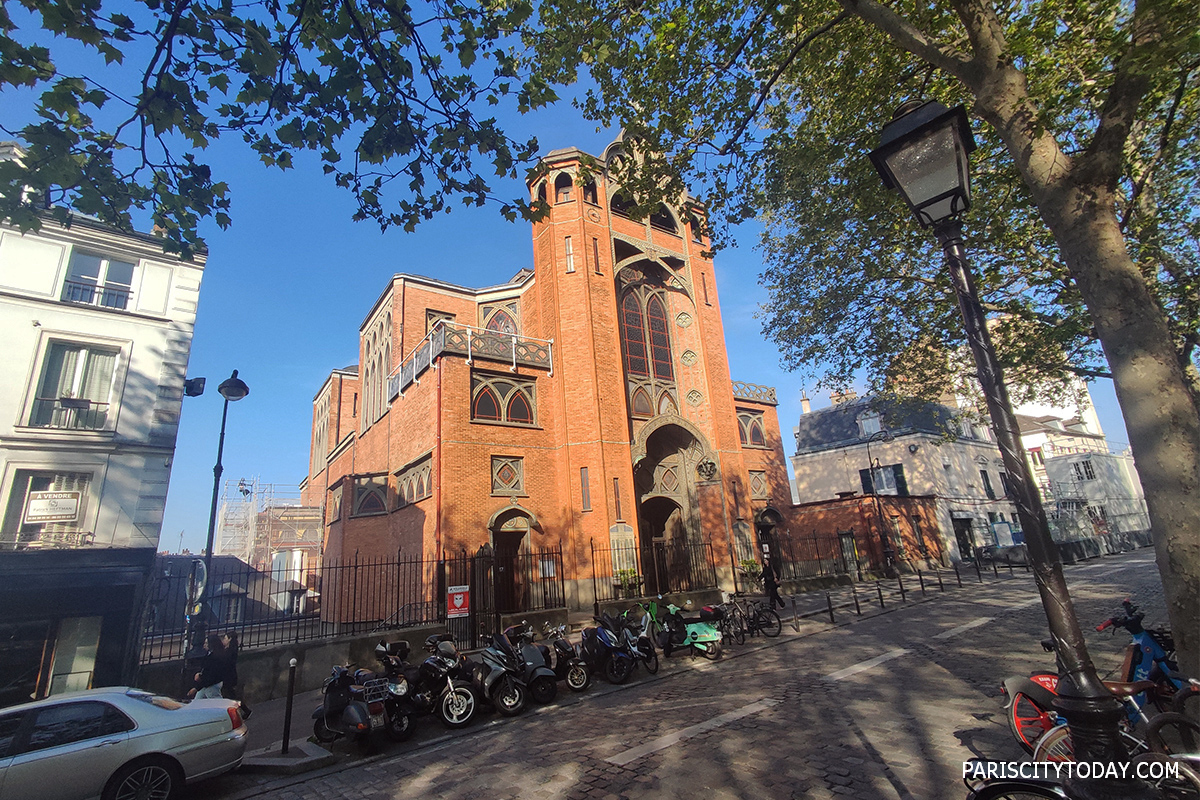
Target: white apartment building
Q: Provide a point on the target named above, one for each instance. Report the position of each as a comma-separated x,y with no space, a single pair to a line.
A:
97,329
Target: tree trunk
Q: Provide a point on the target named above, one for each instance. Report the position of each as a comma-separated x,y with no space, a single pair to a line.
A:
1160,415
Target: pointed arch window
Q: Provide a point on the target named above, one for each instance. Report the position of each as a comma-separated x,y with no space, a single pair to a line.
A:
664,220
634,334
508,400
486,406
621,204
660,342
667,405
519,410
750,429
642,407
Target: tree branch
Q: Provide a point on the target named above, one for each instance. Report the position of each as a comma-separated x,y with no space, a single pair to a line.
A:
906,35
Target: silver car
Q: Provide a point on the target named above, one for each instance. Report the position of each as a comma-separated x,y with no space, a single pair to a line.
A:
116,744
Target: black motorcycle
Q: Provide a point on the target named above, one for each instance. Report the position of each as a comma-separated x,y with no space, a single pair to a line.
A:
441,683
541,680
499,677
352,705
563,658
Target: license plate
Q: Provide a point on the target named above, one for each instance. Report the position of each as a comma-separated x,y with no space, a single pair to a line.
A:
377,721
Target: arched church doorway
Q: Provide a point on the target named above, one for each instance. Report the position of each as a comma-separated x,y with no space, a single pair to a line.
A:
510,533
767,525
662,539
668,511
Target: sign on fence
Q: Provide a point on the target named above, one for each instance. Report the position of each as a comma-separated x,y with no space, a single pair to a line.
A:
458,601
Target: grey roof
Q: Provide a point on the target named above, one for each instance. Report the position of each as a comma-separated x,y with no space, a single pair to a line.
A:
837,426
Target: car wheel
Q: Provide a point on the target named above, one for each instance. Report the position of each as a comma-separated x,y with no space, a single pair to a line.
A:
151,778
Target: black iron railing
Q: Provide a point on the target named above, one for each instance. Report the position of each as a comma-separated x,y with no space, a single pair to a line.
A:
94,295
655,568
69,412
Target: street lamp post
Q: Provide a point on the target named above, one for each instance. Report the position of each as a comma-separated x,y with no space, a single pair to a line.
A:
233,389
889,555
923,154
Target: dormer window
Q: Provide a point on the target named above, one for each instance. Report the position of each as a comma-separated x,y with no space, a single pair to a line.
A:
869,423
98,281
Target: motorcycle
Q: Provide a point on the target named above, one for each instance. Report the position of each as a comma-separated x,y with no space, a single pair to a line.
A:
351,705
499,676
603,649
541,680
441,683
566,663
699,634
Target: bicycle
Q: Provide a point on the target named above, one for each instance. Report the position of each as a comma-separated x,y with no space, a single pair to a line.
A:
732,625
757,615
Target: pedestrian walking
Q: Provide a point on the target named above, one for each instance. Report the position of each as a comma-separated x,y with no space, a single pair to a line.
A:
770,578
214,667
232,688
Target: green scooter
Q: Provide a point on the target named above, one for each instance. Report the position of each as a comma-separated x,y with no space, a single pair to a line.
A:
698,634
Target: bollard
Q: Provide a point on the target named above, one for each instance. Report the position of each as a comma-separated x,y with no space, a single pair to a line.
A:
879,589
287,712
900,581
829,604
854,591
795,616
941,586
957,574
921,580
978,574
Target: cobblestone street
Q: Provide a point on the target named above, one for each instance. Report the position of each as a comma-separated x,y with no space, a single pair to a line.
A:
882,706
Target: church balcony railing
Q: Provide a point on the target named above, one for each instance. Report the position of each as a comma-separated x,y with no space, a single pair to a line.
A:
448,338
754,393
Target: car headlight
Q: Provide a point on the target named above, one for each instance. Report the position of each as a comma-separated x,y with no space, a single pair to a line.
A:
400,688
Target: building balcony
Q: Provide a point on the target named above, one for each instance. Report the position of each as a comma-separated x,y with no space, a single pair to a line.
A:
448,338
754,393
69,413
91,294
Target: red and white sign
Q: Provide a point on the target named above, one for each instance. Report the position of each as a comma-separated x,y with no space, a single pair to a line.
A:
458,601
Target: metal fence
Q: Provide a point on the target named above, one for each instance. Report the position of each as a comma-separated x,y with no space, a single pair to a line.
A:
812,556
349,597
657,568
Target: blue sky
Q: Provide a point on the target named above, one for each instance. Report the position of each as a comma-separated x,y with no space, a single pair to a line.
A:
287,287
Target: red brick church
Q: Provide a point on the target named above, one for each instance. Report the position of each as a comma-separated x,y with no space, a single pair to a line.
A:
586,404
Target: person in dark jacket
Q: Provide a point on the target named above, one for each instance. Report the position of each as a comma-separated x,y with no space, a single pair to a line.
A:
770,578
214,669
232,690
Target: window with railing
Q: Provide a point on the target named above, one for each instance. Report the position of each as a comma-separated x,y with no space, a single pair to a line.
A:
75,387
47,510
95,280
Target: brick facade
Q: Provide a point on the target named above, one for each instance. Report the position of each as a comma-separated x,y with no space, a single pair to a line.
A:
598,458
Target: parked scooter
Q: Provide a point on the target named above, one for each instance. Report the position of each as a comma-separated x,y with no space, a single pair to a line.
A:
441,683
635,630
566,662
499,677
352,705
699,634
541,680
604,650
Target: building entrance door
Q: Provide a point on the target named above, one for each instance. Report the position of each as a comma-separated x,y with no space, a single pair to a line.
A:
849,552
965,538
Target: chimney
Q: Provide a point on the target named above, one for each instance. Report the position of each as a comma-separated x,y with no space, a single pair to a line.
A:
805,406
837,398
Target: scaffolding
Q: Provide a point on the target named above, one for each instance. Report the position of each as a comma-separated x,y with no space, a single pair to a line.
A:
266,526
